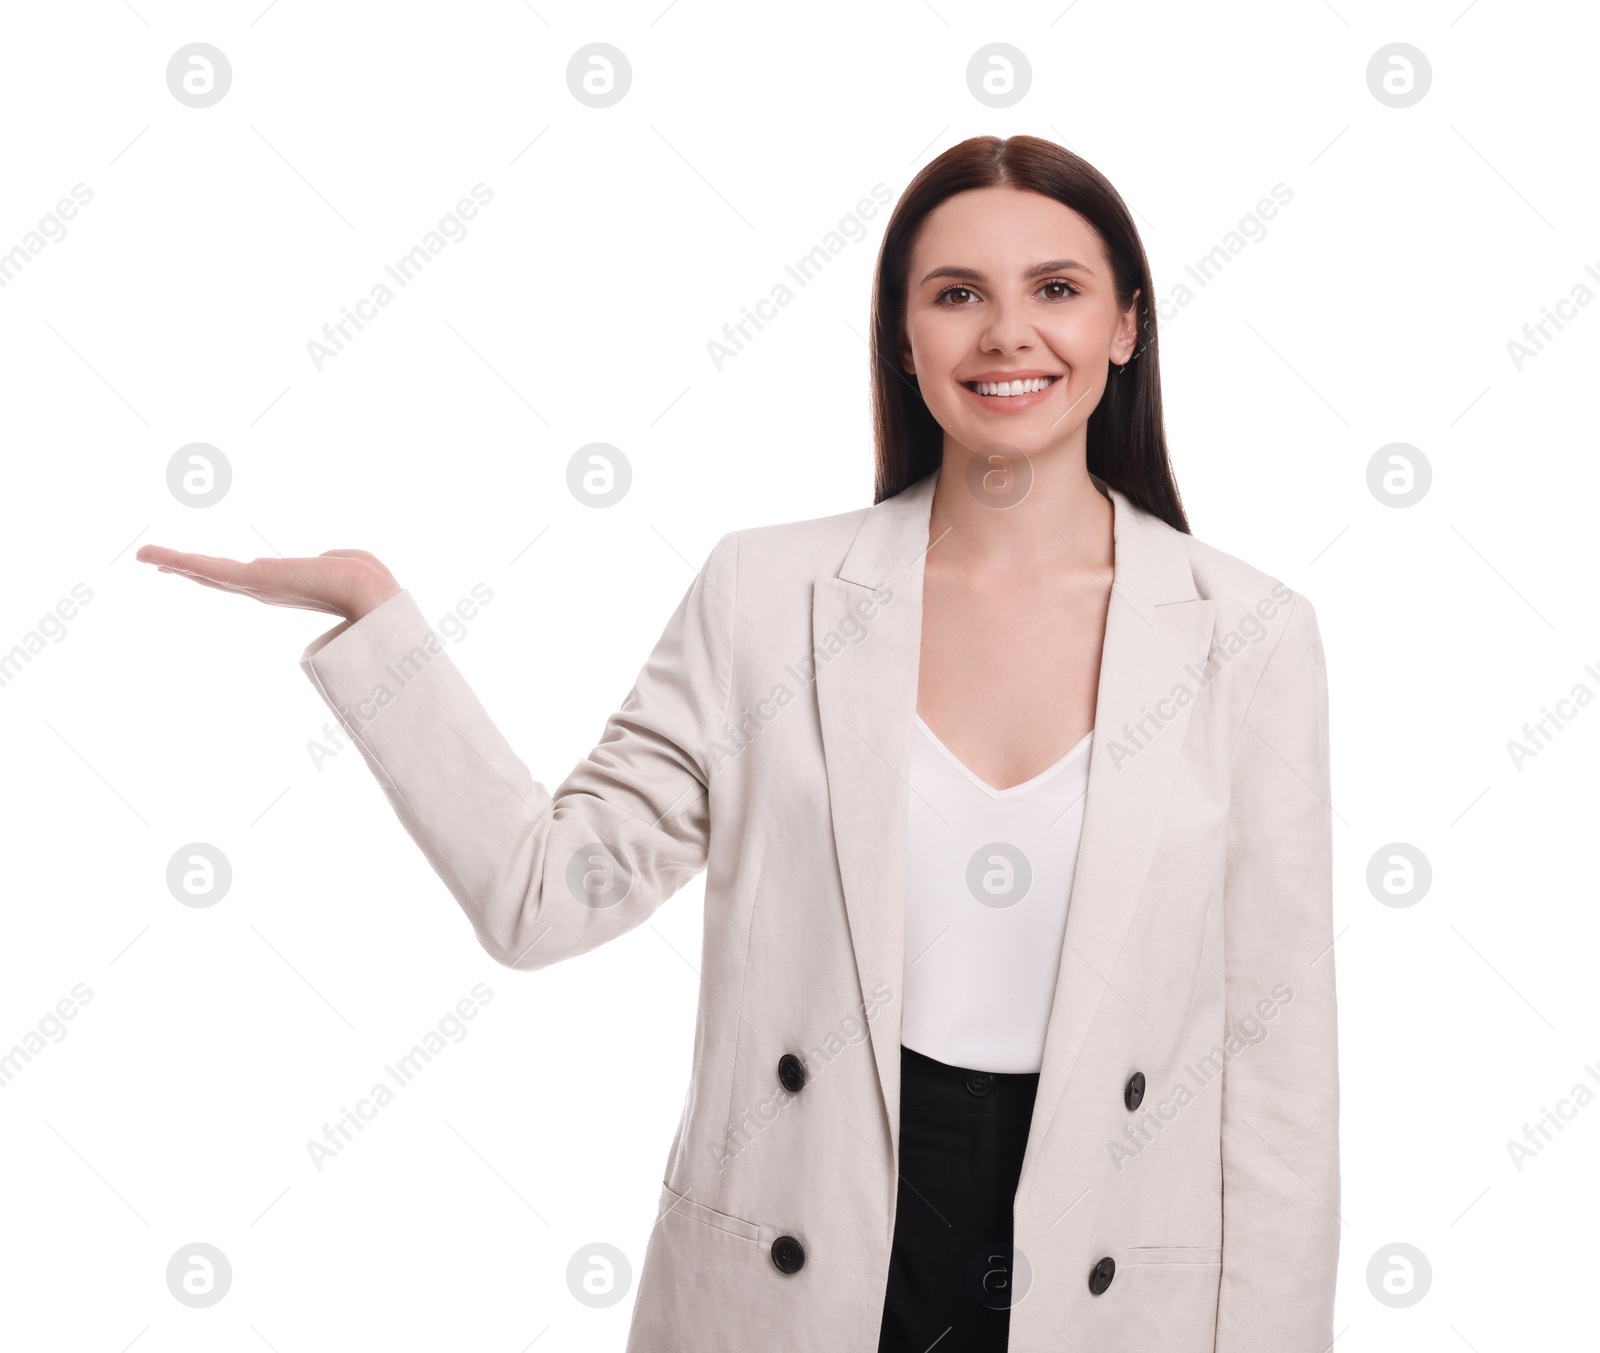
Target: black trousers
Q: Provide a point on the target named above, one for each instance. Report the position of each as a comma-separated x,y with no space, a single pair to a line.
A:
951,1276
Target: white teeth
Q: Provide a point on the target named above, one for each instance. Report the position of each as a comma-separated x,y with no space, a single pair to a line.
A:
1007,388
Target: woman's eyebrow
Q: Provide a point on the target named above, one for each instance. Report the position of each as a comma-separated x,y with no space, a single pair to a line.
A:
1038,270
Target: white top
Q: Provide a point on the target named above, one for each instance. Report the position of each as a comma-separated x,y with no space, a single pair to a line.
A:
988,878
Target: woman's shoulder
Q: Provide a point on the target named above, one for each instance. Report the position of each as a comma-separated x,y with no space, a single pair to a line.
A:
1256,612
1220,575
1266,653
797,551
1165,564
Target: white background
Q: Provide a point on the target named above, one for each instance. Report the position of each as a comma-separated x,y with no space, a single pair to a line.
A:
178,307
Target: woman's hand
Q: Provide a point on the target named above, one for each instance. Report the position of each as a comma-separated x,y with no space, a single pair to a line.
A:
342,582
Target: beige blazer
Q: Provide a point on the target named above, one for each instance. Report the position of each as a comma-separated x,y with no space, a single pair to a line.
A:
766,741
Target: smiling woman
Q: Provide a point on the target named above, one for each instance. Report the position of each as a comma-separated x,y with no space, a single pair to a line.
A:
1092,297
958,936
1015,296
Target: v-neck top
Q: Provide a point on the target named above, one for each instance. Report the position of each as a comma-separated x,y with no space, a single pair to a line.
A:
988,880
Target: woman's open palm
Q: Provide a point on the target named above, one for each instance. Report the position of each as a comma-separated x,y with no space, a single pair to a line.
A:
342,582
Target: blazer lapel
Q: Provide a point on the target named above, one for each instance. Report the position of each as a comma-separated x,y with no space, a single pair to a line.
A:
866,697
1158,635
868,650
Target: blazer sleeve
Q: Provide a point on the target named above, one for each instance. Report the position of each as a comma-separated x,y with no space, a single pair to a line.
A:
542,876
1280,1095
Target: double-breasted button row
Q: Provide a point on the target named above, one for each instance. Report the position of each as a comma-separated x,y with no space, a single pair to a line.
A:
1105,1270
788,1254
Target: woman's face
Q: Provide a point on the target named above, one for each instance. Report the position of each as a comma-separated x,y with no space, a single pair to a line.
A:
1006,284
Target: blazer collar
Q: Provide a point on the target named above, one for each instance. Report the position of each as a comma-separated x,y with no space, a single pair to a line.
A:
893,540
867,636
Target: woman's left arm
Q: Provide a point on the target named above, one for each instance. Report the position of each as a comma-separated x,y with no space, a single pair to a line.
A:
1280,1095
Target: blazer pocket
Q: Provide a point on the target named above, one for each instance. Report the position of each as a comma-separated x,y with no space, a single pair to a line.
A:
673,1201
1173,1254
1162,1297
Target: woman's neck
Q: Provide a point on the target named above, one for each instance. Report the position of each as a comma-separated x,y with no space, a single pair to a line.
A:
1013,516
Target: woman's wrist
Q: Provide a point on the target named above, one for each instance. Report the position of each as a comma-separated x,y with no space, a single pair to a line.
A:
371,598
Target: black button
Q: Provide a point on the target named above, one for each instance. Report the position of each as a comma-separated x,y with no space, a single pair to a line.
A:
790,1256
980,1082
792,1072
1133,1095
1101,1274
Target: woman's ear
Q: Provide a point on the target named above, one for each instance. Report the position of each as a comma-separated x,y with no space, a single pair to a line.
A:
1127,339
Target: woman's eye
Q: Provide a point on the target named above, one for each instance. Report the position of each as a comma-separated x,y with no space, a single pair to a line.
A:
1055,291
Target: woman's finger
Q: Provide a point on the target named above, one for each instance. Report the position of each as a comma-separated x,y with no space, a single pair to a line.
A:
209,582
201,565
263,579
270,598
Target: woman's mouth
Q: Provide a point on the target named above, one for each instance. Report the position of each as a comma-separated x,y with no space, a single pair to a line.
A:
1011,396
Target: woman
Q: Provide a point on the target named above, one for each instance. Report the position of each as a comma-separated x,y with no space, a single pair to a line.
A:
932,1103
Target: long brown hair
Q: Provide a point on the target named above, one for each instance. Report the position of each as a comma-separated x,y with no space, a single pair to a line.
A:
1127,444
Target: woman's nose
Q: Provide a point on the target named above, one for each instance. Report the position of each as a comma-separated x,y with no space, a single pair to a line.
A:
1008,331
